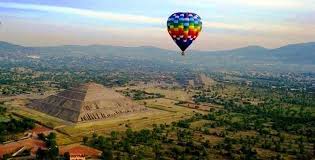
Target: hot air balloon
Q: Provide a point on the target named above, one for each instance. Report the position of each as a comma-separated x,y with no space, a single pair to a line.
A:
184,28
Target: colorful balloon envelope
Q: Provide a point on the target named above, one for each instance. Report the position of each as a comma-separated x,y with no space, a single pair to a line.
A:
184,28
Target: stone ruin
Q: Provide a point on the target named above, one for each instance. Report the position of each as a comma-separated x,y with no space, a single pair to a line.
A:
86,102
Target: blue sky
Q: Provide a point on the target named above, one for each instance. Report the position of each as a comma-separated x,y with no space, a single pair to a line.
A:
226,23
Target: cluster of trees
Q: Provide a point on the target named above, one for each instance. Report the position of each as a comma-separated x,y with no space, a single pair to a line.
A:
305,100
140,94
203,98
13,90
271,118
178,140
51,151
277,107
270,128
237,149
3,110
13,83
186,122
284,119
14,126
221,93
246,146
150,143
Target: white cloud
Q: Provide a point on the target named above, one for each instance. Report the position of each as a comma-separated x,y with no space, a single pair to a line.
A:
262,28
28,32
84,12
269,4
273,3
241,26
220,25
235,33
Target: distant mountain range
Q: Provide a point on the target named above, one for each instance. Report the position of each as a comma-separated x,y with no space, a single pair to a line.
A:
301,54
296,53
12,50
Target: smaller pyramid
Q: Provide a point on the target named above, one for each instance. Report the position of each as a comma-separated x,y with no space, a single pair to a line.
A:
86,102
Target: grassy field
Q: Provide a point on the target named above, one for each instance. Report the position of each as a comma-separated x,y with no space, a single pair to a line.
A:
175,94
160,111
199,124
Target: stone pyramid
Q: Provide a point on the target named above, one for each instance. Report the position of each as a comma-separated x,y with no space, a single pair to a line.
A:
86,102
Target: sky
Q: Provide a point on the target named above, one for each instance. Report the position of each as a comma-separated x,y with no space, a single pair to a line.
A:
227,24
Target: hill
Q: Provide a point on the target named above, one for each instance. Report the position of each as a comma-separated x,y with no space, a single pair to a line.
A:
302,54
14,51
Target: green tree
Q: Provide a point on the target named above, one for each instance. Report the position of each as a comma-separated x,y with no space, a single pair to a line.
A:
85,140
114,135
66,155
107,155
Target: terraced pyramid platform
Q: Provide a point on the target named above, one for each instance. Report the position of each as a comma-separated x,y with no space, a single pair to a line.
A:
86,102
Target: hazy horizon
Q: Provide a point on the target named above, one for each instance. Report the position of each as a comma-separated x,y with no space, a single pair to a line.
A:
226,25
171,49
